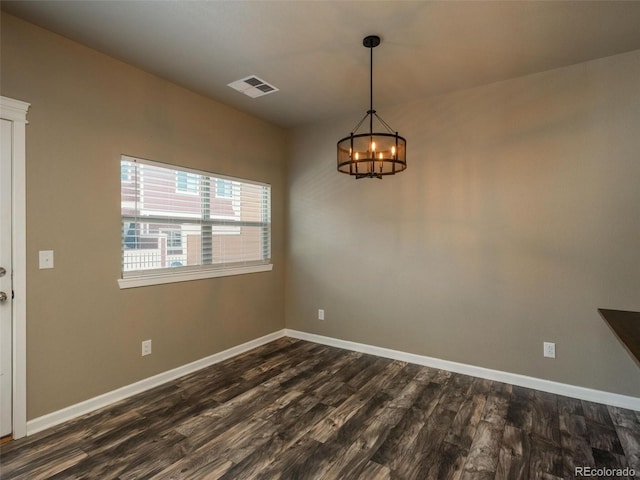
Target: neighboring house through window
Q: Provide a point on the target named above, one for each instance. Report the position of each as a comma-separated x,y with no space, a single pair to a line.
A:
183,224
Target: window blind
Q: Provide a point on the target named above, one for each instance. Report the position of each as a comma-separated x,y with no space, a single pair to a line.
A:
177,219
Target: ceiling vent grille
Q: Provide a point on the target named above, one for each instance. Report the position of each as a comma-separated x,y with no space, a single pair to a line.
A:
253,86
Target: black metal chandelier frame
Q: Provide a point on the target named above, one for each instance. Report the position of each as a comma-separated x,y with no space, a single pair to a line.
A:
372,154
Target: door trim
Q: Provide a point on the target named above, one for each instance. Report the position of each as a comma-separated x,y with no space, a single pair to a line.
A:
16,112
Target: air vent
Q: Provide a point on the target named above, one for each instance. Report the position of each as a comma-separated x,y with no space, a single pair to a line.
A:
253,86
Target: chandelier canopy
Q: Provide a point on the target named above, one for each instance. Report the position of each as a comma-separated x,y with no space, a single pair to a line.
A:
372,154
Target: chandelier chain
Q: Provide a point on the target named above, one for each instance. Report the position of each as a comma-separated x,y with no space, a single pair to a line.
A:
384,124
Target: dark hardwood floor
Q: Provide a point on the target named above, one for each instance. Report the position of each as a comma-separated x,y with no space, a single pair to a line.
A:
298,410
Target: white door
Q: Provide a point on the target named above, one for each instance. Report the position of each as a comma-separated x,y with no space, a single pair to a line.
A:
6,394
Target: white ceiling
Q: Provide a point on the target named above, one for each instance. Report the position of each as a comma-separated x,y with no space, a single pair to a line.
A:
312,51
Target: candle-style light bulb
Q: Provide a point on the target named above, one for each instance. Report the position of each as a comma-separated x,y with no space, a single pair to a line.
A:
393,150
373,146
380,155
356,155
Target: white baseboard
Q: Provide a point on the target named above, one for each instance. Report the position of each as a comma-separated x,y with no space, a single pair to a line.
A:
87,406
581,393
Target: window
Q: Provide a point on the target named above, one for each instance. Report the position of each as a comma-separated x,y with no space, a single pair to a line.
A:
125,171
224,188
174,242
186,182
223,227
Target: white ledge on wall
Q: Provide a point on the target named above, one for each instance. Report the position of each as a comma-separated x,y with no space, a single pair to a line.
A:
146,280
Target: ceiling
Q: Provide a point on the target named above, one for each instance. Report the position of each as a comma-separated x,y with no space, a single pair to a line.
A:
312,50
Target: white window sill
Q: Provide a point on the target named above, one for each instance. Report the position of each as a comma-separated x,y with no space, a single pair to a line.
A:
146,280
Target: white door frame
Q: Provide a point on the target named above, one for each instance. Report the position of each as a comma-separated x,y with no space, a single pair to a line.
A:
16,112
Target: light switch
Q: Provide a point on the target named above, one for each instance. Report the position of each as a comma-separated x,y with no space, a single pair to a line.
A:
46,259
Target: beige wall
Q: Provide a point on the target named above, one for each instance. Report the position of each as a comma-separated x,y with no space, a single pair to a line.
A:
83,333
518,216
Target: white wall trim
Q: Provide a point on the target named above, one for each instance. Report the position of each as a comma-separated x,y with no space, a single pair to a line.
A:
145,280
582,393
87,406
16,112
55,418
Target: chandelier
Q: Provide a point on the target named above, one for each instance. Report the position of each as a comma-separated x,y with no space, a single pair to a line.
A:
372,154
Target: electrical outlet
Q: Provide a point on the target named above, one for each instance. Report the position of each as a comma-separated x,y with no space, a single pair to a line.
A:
320,314
146,347
549,349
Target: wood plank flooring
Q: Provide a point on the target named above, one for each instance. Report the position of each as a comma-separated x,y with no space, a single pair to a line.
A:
297,410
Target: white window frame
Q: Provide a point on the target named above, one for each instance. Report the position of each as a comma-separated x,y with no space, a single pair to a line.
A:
182,274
